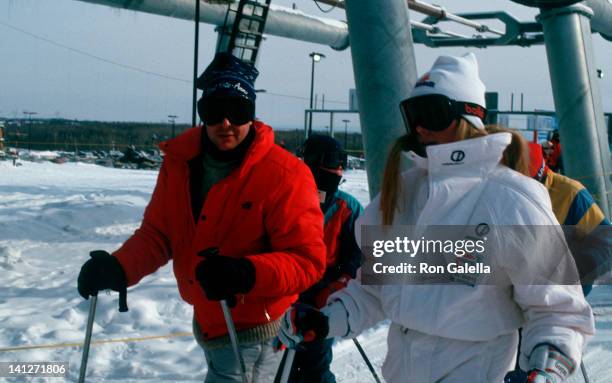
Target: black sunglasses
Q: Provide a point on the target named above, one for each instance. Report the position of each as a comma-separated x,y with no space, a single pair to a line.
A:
329,160
237,110
436,112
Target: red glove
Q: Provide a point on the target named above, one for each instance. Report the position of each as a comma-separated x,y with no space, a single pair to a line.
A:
338,284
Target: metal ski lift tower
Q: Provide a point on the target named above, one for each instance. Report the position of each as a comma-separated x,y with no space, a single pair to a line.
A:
384,66
280,21
578,105
564,28
381,40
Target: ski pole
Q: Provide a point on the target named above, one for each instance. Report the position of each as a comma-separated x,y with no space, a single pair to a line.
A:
281,365
367,361
584,372
234,338
231,329
287,366
90,320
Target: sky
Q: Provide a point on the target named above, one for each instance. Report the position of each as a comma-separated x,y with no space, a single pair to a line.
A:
55,60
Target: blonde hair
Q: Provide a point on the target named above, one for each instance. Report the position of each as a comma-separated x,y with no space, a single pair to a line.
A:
515,156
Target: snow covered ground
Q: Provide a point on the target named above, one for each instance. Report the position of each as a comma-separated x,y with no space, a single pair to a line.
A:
52,215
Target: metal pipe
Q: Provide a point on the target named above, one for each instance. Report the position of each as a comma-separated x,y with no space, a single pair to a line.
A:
287,366
602,17
477,26
430,10
312,58
434,29
441,13
87,342
569,48
282,22
384,75
585,375
196,45
366,360
231,329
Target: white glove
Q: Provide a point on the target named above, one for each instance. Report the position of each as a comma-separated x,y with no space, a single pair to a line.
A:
549,365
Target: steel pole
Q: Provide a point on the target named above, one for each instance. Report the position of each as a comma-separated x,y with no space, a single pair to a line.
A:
231,329
602,18
366,360
30,134
345,135
311,95
287,366
90,320
195,65
385,72
578,104
585,375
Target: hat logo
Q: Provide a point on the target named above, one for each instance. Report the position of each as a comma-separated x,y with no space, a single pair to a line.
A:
227,85
424,81
457,156
475,110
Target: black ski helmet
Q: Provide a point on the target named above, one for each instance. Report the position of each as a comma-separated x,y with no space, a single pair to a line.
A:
324,151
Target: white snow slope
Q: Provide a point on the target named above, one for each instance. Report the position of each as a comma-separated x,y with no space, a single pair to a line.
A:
52,215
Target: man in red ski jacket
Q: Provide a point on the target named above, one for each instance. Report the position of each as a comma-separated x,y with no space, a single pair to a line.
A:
240,219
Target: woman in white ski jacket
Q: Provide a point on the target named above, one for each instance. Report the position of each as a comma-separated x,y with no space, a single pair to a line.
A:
463,333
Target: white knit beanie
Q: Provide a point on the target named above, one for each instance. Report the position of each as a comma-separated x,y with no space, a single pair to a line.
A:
456,78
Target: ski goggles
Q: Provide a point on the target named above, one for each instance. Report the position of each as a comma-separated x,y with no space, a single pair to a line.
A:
329,160
237,110
436,112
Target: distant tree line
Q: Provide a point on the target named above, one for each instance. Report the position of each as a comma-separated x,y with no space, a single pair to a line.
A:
72,135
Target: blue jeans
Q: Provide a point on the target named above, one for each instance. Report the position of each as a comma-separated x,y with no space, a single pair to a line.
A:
259,358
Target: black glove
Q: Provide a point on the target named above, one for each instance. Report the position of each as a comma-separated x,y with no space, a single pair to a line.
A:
102,272
224,277
302,323
516,376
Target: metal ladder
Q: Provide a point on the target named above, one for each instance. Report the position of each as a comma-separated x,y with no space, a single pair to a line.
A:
247,30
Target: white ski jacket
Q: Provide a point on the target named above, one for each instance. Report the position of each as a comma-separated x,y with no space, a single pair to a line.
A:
439,190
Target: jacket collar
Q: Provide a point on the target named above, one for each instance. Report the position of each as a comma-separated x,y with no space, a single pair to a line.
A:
471,157
187,146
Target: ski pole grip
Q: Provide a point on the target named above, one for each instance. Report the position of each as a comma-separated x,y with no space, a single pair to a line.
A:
101,254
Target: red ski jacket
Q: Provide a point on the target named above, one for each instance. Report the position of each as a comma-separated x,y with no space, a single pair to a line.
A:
266,210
